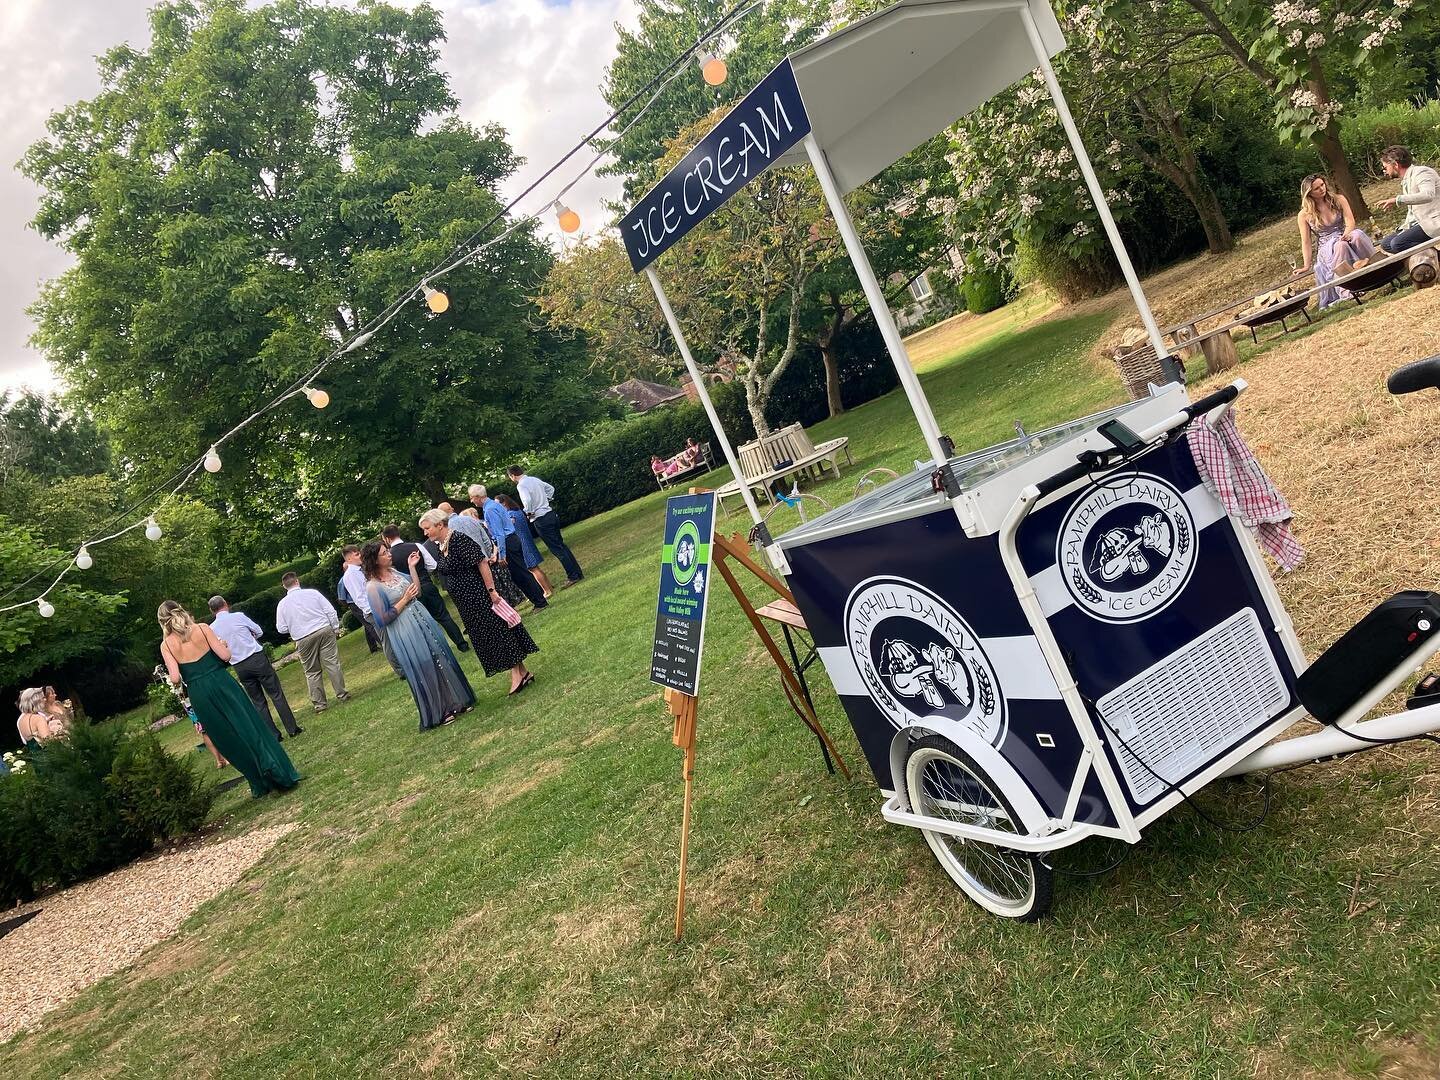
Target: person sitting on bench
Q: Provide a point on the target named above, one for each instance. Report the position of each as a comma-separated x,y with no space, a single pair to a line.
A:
1419,194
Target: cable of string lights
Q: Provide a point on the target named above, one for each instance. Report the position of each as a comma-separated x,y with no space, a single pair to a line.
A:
713,70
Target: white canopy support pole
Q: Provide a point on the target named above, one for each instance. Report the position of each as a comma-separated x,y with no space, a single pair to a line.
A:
919,404
1082,159
704,395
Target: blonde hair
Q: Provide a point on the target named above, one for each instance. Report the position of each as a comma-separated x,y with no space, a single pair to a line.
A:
433,517
174,619
1308,209
32,700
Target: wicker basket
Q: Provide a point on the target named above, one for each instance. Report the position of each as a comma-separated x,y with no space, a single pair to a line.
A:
1139,367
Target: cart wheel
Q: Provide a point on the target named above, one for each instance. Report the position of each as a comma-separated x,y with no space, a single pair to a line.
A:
944,782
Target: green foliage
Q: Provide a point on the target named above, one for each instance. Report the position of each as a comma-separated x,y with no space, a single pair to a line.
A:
984,290
162,701
1368,131
91,802
160,796
46,441
254,182
261,607
29,642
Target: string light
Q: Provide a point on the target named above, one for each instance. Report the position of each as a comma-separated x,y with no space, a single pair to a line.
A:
568,219
439,302
713,69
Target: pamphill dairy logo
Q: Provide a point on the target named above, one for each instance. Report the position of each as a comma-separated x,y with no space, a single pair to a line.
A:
1126,548
919,658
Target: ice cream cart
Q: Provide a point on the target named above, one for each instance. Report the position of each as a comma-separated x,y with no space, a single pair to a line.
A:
1059,637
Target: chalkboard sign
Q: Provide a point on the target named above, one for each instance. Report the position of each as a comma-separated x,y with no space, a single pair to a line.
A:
684,582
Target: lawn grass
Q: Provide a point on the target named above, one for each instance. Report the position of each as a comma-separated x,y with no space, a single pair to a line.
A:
496,898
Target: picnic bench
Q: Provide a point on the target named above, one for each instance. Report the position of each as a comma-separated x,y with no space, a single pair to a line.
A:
703,465
785,452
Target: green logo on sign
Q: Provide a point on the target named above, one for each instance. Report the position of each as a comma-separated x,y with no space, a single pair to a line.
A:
687,553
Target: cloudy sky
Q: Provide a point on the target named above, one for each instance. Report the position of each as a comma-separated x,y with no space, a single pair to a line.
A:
532,66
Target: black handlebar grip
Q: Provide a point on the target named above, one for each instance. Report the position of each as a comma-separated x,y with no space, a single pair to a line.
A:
1223,396
1065,476
1421,375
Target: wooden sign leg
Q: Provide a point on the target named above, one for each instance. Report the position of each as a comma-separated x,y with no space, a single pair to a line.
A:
684,707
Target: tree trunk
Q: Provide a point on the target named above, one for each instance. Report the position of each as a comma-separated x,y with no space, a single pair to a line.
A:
1338,165
826,341
1180,166
433,488
755,404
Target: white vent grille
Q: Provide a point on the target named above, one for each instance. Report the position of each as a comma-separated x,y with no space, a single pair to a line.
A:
1191,707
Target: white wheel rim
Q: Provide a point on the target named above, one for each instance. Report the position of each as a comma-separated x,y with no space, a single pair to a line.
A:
940,786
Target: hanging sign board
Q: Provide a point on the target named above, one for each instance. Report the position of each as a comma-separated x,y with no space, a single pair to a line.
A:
684,582
769,121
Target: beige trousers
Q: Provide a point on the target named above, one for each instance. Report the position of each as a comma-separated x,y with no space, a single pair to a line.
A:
318,650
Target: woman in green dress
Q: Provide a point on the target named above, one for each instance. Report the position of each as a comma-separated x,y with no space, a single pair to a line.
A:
193,653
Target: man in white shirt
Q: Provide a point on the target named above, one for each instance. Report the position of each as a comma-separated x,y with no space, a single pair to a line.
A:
311,622
354,579
535,496
1419,194
252,666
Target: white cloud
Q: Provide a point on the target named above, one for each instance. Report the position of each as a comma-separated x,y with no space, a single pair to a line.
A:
532,67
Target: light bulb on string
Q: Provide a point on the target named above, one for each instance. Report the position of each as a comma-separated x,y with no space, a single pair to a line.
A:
568,219
212,460
152,528
83,559
438,301
319,398
46,608
713,69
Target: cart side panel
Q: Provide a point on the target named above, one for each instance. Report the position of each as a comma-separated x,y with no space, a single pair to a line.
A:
1146,586
915,620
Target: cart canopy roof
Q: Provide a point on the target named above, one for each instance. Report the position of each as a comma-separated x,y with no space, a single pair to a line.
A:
870,92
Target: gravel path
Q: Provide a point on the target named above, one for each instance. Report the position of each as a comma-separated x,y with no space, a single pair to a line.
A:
94,929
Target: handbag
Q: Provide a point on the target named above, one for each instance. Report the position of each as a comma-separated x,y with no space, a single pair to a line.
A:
507,613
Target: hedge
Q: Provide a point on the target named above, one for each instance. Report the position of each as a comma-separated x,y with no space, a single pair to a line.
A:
261,606
614,468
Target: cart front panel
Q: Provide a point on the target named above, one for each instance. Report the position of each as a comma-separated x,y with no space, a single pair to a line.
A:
1160,615
918,625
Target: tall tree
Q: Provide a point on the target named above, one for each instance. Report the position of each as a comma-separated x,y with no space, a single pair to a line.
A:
253,187
47,441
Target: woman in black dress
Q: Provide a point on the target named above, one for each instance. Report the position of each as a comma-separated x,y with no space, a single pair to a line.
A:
497,646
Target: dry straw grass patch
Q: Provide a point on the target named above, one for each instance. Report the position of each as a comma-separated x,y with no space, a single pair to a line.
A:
1355,463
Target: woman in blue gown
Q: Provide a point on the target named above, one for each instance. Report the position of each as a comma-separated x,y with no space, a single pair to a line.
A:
439,686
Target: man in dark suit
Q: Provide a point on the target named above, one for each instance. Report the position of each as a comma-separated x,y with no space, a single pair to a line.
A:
400,551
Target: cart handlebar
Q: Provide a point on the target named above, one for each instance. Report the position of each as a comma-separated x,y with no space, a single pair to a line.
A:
1090,460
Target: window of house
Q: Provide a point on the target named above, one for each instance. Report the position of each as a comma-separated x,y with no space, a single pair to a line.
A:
920,288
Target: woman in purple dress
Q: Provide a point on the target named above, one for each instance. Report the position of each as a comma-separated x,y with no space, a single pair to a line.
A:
1329,240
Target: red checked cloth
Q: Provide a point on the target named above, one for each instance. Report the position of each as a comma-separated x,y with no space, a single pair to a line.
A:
1233,475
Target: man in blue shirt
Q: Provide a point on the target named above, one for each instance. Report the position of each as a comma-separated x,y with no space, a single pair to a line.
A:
510,556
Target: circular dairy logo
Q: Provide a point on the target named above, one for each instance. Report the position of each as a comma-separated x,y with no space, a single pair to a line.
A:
1126,548
919,658
687,553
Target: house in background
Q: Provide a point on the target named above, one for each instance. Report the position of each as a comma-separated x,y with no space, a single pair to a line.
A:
642,396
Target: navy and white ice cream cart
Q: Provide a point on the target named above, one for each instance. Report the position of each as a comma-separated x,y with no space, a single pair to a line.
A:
1063,636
